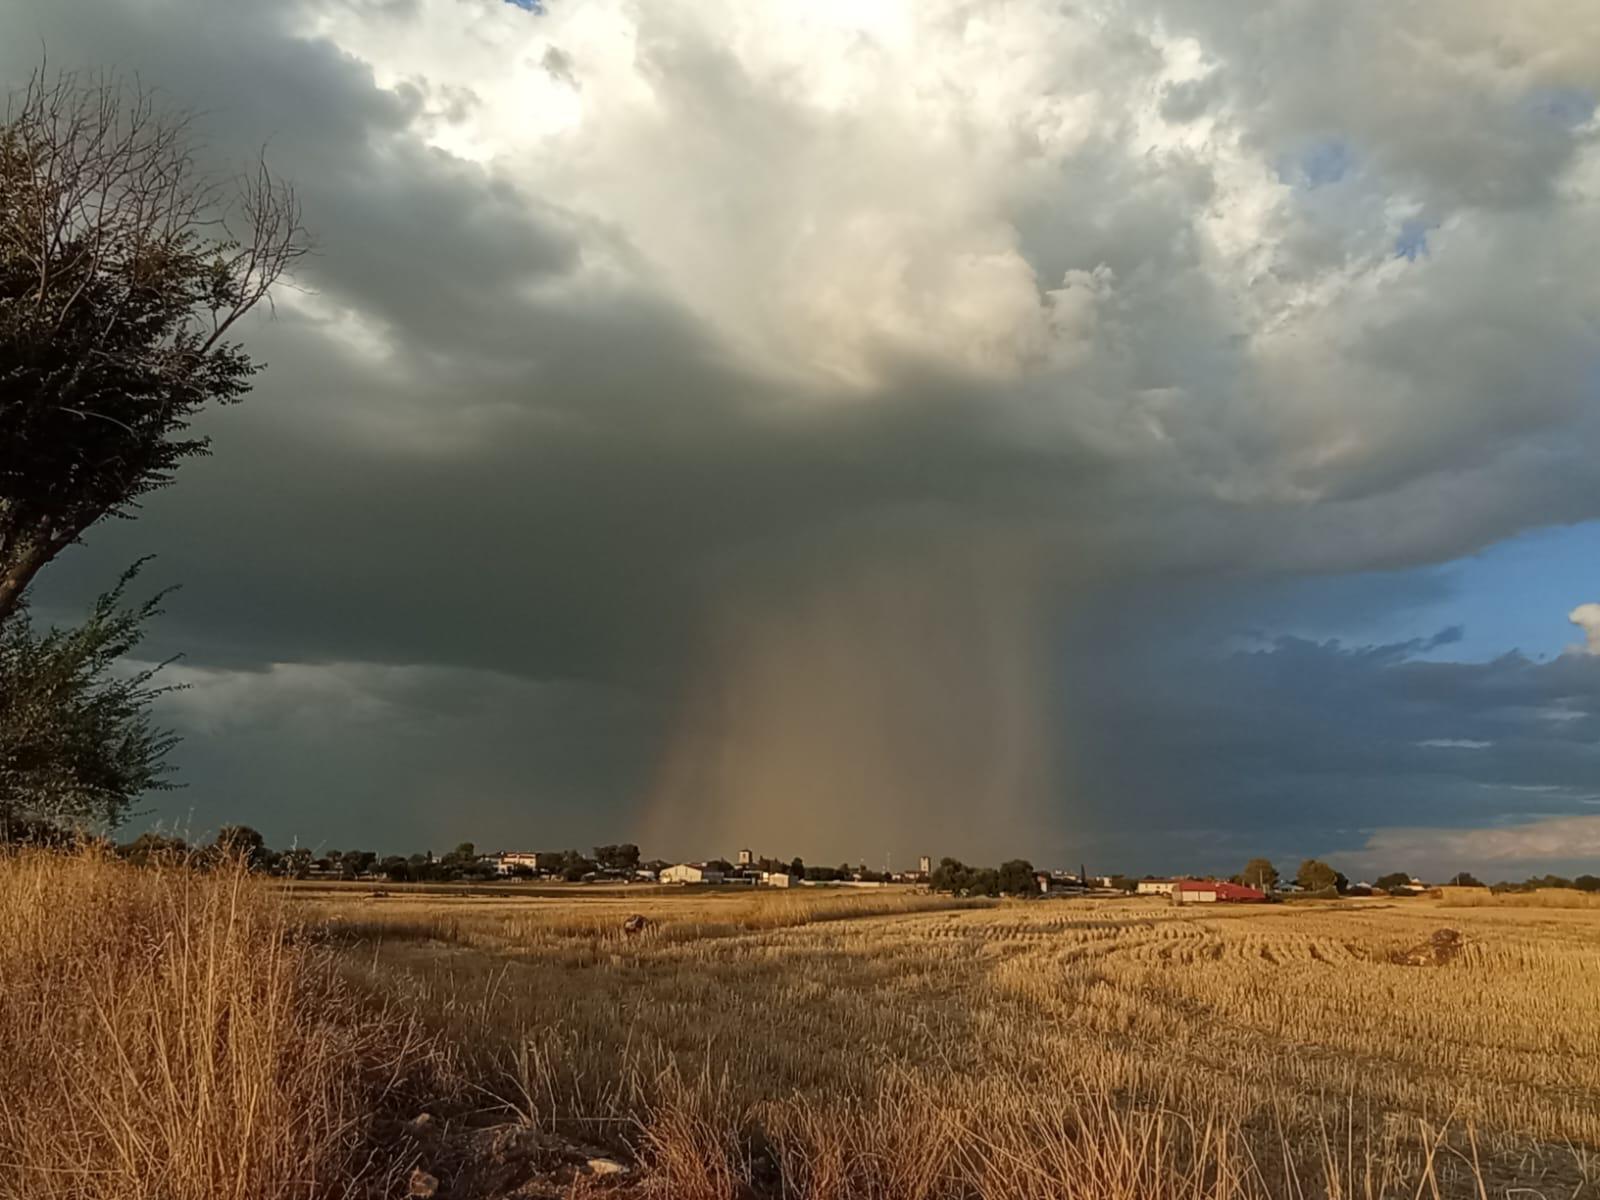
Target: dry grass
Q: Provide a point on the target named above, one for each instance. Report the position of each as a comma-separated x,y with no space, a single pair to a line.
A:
1465,897
580,926
169,1034
1048,1049
165,1036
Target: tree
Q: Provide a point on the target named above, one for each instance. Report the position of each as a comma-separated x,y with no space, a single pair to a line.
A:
1259,873
624,857
150,849
797,868
949,876
1549,881
77,743
243,843
1317,876
1394,879
1016,878
1587,883
123,270
1465,879
985,881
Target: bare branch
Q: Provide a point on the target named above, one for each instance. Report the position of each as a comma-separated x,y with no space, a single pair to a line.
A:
123,267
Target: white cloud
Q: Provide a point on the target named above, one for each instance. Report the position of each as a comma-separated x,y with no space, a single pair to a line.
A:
1552,840
1454,744
1587,618
828,185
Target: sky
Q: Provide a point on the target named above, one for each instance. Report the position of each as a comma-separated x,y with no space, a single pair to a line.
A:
1138,433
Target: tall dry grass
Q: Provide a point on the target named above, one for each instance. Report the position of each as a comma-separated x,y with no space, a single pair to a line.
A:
165,1035
1467,897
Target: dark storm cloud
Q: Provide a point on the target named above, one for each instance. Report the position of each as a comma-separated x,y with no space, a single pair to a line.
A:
1295,747
765,325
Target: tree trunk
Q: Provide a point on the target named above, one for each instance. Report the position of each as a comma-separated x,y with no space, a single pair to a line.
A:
15,577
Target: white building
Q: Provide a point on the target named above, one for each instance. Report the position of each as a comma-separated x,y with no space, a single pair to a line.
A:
691,873
507,861
1157,887
781,879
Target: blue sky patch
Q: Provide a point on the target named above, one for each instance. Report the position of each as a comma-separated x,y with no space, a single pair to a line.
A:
1327,161
1413,240
1568,106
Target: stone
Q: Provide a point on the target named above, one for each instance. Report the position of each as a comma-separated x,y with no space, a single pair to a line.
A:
423,1186
606,1166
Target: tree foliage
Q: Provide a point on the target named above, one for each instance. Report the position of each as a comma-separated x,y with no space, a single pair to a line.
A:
1017,878
623,857
122,271
1317,876
77,742
242,843
1259,873
954,876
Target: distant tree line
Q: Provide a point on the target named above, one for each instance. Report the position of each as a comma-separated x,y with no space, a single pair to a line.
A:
1317,876
1013,878
1016,877
464,863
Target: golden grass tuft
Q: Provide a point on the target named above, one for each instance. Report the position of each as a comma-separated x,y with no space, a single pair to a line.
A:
166,1036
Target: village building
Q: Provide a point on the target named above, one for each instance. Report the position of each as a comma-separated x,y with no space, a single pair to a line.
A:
1057,881
1214,891
506,862
691,873
1156,887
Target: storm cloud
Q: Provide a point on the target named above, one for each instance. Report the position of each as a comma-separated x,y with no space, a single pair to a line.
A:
721,421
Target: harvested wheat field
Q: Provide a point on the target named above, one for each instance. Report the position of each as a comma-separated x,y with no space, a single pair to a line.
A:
185,1034
899,1045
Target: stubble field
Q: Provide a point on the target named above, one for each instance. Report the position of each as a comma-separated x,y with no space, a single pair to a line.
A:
805,1044
904,1045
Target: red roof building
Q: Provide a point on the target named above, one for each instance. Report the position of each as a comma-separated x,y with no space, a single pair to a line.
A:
1212,891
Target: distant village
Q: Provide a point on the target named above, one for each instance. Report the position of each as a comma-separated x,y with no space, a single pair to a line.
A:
623,864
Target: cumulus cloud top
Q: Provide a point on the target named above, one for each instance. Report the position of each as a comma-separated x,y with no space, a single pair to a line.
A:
1587,618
